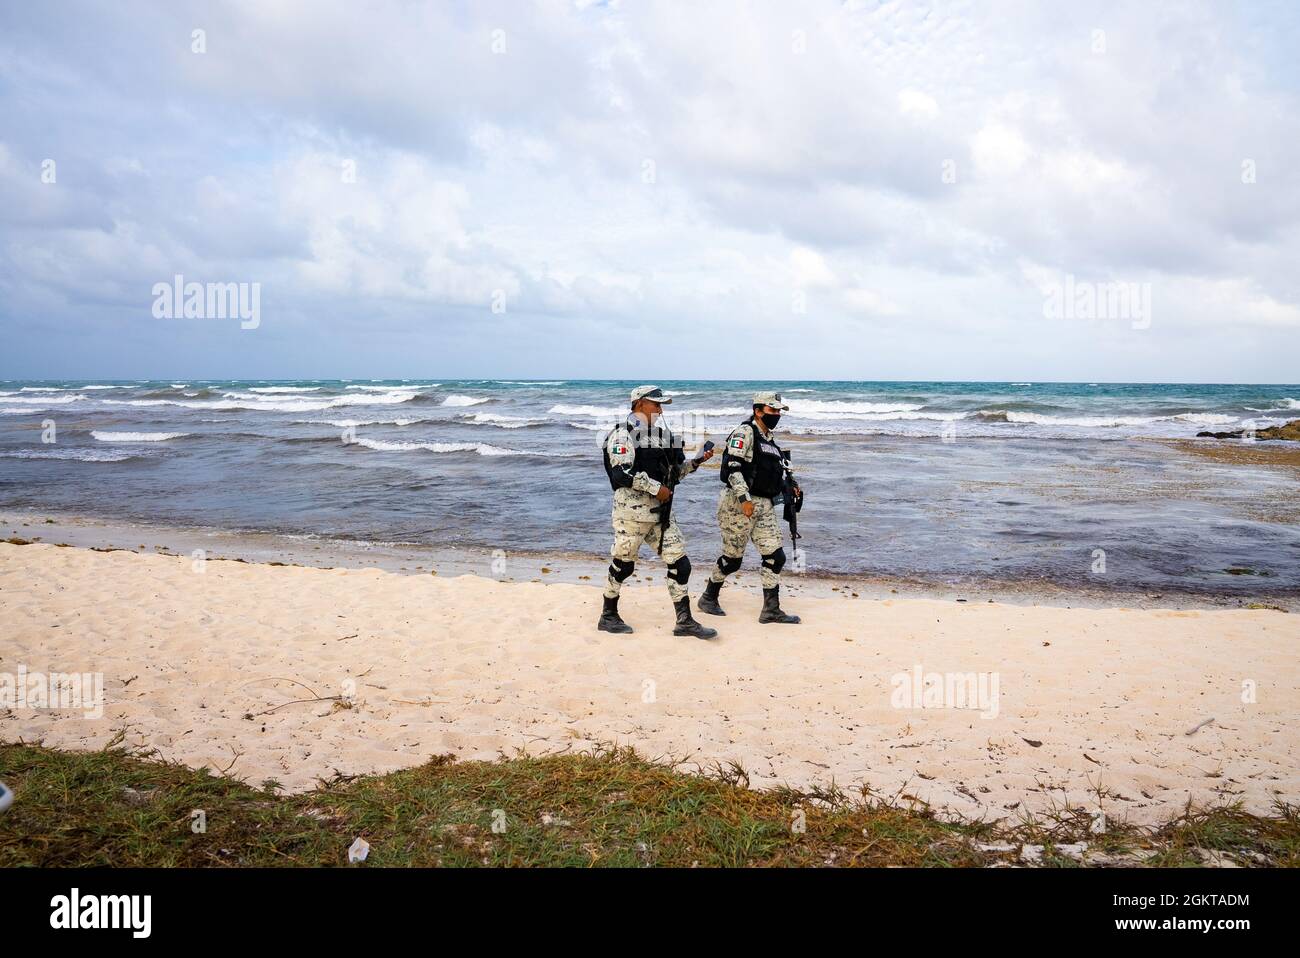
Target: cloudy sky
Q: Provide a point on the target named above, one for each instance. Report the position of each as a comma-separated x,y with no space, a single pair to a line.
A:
851,190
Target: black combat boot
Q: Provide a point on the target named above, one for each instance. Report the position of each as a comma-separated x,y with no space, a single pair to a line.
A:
687,625
609,618
708,600
772,608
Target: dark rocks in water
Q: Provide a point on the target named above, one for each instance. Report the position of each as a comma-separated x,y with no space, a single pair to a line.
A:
1290,431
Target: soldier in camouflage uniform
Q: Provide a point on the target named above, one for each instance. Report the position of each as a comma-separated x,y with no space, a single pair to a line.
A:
643,461
753,471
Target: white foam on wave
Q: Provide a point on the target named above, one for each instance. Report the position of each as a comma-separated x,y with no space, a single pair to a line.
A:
42,400
272,404
107,436
81,455
837,409
456,399
1111,422
482,448
283,389
500,421
381,389
346,423
602,412
795,424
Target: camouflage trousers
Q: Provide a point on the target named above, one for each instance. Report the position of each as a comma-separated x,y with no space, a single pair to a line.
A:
630,531
737,531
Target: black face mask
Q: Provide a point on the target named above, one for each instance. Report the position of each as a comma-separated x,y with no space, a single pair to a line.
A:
770,419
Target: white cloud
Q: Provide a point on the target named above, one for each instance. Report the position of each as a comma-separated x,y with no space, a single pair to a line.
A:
917,103
773,169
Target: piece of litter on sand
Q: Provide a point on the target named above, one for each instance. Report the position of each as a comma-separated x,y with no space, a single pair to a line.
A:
358,852
1200,725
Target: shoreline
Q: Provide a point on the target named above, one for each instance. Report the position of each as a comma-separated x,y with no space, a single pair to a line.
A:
310,551
293,673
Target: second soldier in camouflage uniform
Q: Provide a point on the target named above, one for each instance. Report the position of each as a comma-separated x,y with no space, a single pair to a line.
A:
753,470
642,459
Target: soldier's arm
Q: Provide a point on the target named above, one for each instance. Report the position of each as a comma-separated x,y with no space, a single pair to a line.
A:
688,467
740,446
622,455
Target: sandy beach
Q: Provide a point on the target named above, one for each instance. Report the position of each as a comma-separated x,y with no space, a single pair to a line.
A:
209,667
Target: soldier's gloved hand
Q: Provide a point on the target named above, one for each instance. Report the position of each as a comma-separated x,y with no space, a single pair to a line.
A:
705,456
664,494
747,507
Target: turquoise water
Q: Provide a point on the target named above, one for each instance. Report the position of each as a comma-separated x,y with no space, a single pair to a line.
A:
950,481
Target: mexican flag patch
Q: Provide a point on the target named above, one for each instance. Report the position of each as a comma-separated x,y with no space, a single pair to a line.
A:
620,450
737,444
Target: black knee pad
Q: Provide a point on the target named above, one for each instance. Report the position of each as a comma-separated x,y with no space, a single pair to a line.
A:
775,561
680,571
728,565
620,570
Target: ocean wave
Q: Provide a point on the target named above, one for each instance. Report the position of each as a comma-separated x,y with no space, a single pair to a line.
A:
482,448
1111,422
1207,418
81,455
457,400
715,411
601,412
500,421
42,400
283,389
271,404
839,406
351,423
105,436
417,386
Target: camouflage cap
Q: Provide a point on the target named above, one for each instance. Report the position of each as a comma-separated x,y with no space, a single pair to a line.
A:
652,393
769,399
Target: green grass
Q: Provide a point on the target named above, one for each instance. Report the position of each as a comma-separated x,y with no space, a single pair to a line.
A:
609,808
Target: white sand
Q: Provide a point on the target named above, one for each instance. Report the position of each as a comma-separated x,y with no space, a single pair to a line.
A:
476,667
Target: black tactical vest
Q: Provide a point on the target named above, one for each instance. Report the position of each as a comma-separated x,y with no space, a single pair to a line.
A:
652,458
764,474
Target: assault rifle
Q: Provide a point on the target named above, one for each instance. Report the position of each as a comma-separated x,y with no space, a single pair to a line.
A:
793,497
